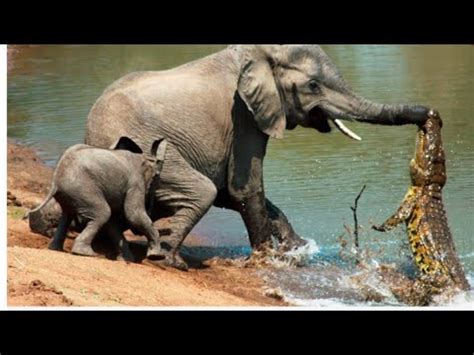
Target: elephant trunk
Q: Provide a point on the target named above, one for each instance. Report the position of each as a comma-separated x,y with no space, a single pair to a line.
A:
390,114
349,106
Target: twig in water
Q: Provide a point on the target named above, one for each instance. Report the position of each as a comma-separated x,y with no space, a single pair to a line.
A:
356,224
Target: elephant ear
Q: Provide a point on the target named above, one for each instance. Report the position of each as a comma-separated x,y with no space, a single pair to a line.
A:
259,91
125,143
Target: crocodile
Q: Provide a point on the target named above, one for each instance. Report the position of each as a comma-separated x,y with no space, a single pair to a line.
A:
422,210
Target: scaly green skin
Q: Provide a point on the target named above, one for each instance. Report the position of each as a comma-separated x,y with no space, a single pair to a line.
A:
423,212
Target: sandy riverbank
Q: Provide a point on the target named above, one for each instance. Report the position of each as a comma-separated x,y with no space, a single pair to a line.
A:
40,277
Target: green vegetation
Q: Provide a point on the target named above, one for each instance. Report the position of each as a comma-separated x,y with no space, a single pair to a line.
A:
16,212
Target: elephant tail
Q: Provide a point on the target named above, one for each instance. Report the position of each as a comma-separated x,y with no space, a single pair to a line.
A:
51,194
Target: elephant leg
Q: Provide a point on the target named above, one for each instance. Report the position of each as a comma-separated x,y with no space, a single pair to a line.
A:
134,208
254,214
115,233
98,216
190,208
188,195
282,229
60,235
264,220
245,181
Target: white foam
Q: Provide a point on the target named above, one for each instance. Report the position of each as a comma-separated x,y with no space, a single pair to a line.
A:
295,257
324,303
462,301
305,251
298,256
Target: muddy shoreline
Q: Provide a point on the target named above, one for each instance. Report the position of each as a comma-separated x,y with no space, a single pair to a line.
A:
37,276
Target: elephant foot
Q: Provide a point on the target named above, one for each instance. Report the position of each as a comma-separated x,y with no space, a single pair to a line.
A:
264,247
176,261
126,256
54,246
171,260
156,253
82,249
292,243
282,230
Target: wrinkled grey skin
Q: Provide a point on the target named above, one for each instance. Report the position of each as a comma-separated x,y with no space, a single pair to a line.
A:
45,221
218,112
105,189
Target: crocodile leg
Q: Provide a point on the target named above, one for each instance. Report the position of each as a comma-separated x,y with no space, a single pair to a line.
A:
403,213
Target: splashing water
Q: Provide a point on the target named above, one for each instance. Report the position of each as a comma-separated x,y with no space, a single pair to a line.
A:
306,252
295,257
463,300
329,281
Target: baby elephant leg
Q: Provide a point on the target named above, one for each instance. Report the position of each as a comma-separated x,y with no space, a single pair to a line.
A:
121,244
60,235
134,207
189,195
97,216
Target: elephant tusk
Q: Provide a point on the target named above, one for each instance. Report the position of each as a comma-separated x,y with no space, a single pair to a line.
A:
346,130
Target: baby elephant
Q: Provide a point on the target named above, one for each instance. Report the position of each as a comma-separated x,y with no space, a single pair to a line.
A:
103,187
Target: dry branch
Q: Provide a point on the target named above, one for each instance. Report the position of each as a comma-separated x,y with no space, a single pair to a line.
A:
356,223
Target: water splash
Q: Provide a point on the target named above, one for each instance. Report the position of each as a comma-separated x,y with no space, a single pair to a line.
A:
462,300
277,259
303,255
332,280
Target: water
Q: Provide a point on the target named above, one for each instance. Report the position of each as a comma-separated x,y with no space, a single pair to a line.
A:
331,280
312,177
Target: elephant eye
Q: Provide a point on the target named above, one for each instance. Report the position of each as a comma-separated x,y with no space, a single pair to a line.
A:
313,85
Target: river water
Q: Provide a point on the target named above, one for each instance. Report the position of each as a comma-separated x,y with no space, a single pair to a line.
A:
312,177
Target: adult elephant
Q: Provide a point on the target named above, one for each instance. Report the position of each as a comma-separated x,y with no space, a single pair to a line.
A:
218,113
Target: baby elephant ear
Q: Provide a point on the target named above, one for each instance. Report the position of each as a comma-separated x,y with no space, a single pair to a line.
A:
158,149
125,143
